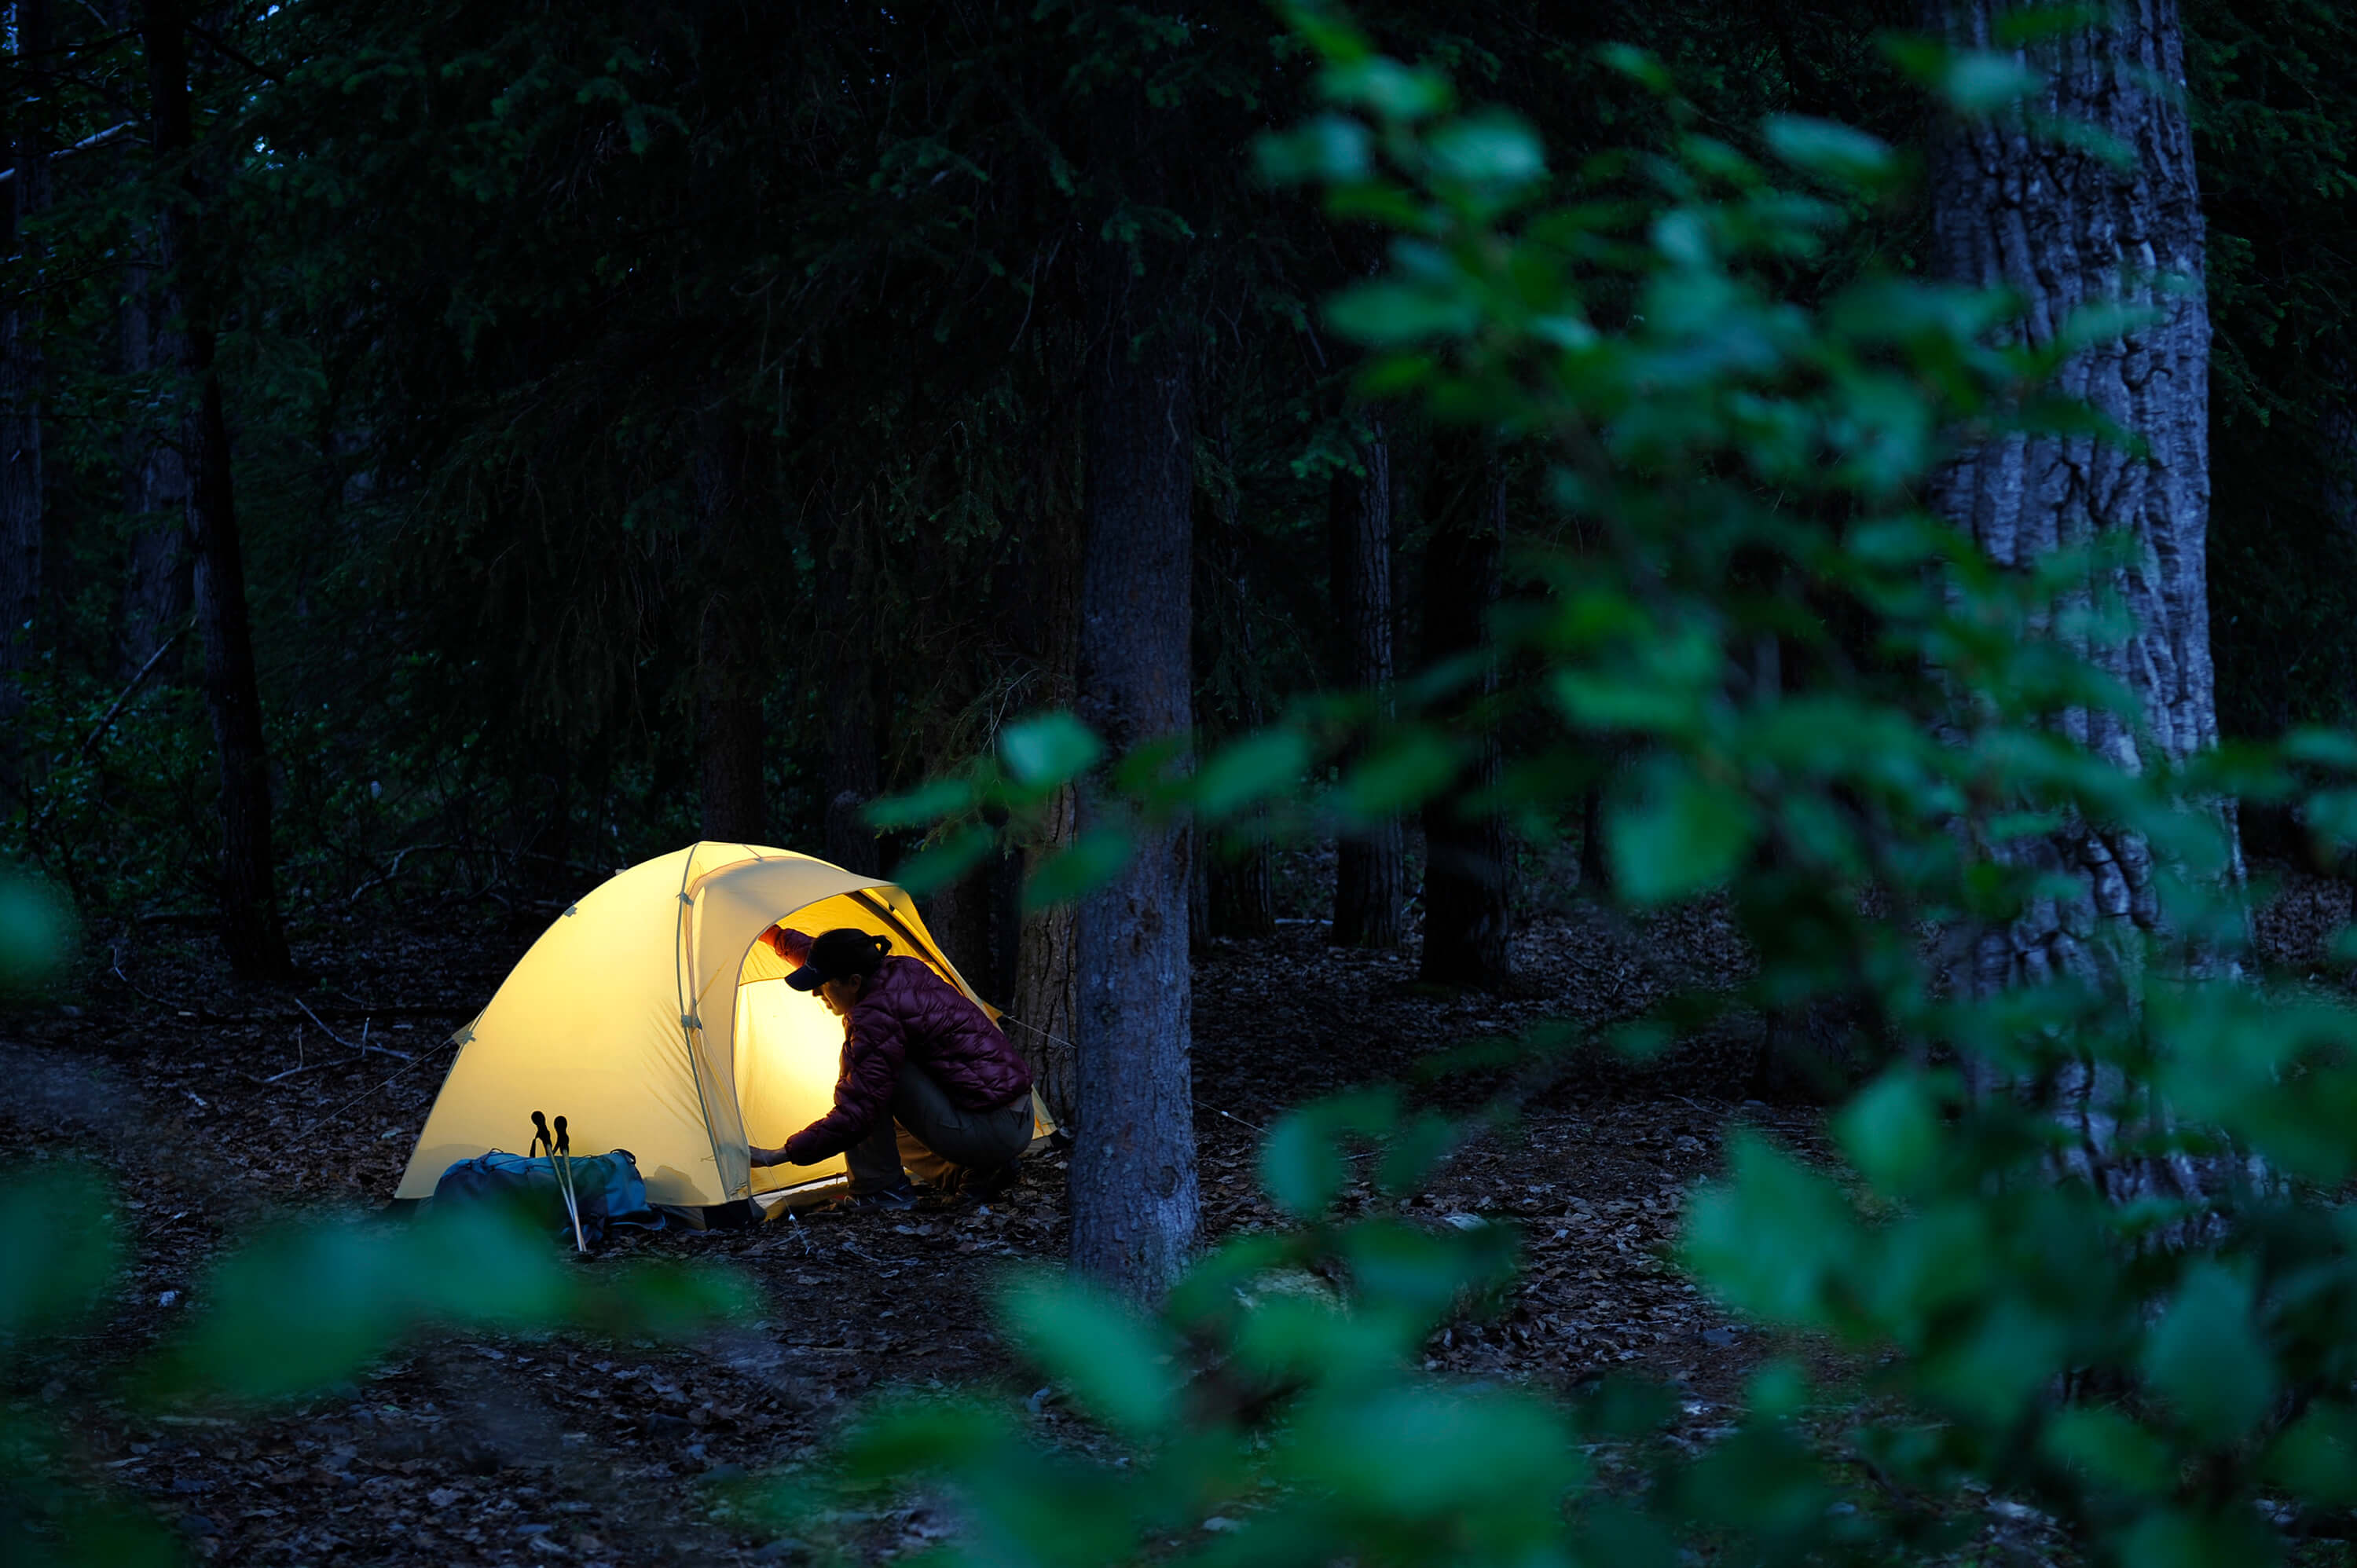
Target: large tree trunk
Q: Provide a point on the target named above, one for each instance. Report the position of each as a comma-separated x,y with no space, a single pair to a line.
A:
1043,623
1467,860
1135,1201
1595,878
21,375
250,923
1370,882
851,773
728,731
1045,1001
1239,871
158,580
1244,889
2053,221
975,921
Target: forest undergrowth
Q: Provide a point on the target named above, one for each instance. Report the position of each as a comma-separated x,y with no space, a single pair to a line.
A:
215,1106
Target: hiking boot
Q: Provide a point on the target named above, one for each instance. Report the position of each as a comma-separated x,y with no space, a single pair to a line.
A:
903,1197
981,1187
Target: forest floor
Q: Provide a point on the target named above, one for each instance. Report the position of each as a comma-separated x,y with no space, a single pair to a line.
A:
482,1450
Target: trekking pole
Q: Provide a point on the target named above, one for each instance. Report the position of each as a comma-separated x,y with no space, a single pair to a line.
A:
561,1156
541,1138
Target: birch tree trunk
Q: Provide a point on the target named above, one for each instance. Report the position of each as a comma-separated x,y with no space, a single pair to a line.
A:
251,931
21,377
1370,883
1136,1206
2065,230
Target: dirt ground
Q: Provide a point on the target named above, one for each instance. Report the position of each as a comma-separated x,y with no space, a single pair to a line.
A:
479,1451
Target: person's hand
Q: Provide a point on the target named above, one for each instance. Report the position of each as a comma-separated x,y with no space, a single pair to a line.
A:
769,1156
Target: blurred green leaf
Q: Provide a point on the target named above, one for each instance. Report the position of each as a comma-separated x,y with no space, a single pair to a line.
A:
1118,1366
1421,1453
1299,1165
2027,25
1400,773
1249,771
1490,147
1091,861
2185,1538
1683,834
1385,88
312,1303
1774,1239
1977,84
1051,750
2111,1448
1383,315
2315,1458
918,1436
2324,747
59,1250
35,932
2208,1359
944,861
1892,1130
1639,65
1300,1160
1834,151
1326,147
923,806
1413,1150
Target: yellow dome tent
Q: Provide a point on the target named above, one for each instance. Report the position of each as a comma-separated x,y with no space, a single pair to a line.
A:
652,1017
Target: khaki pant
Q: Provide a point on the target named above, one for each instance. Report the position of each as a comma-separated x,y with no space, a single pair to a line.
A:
936,1141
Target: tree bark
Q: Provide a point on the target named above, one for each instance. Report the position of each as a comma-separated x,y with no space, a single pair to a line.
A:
728,730
1595,875
251,931
1244,891
22,374
1044,623
2064,229
1369,881
851,772
1134,1202
1045,1002
972,918
1239,869
1468,871
158,580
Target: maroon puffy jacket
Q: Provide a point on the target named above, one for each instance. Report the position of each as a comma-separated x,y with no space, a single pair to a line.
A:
907,1013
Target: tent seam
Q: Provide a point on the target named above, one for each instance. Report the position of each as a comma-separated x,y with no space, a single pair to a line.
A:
687,1029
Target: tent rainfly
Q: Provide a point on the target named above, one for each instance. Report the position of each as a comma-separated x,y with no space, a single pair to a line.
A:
653,1017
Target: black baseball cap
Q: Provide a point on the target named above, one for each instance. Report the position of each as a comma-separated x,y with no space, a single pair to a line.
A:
846,951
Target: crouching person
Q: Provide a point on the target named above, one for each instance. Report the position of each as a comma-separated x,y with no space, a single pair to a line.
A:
928,1082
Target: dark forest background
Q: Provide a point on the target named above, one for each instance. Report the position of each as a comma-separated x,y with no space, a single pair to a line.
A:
1729,548
454,451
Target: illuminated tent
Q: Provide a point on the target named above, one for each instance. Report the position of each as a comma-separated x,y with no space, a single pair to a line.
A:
652,1017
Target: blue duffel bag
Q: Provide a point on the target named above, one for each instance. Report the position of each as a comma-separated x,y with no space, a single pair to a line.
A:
606,1187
